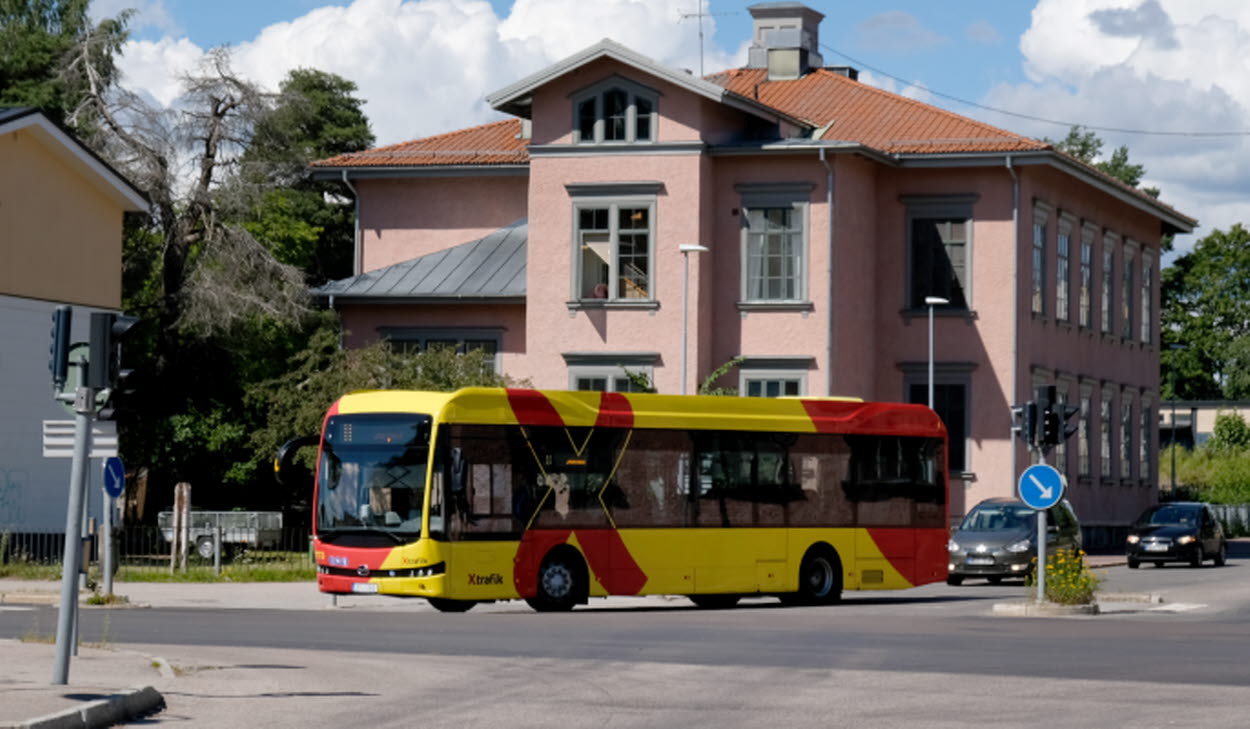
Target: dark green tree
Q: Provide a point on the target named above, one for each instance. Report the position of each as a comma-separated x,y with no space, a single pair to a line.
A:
51,52
305,223
1206,318
1086,145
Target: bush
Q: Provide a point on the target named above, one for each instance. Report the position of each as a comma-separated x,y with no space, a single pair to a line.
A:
1068,580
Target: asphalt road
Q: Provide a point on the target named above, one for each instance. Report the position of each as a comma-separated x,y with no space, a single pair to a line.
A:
933,656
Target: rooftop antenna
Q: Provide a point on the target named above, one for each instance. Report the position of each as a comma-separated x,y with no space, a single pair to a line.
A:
701,15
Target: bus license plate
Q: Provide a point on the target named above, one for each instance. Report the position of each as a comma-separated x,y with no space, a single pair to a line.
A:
364,587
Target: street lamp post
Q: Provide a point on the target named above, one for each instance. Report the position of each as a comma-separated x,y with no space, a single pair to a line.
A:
686,249
932,301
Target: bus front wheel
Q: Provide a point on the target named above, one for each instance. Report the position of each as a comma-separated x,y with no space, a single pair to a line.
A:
444,605
820,578
562,582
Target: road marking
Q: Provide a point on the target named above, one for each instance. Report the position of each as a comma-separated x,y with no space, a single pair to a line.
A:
1177,607
15,608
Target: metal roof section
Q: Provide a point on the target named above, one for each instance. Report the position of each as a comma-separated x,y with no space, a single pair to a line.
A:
74,154
487,269
515,98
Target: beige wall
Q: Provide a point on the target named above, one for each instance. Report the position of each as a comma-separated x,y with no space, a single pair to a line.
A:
60,237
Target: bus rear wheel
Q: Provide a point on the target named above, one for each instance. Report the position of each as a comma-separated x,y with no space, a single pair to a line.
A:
562,582
714,602
445,605
820,578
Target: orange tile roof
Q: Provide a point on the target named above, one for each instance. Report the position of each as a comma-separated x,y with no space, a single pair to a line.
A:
497,143
857,112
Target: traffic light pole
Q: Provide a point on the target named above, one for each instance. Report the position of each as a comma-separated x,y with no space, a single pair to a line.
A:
1041,541
71,562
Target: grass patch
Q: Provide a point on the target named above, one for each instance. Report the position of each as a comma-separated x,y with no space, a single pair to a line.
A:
229,573
98,599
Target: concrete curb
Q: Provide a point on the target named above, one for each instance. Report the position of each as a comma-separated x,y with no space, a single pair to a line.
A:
1031,609
103,713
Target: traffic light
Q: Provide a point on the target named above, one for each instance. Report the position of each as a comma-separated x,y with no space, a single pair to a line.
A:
1055,429
1024,418
104,363
58,365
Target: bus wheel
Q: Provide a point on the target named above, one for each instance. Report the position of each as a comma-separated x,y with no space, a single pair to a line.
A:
714,602
444,605
561,582
820,578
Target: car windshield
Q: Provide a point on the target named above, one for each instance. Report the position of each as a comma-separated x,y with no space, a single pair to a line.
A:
371,477
998,517
1169,514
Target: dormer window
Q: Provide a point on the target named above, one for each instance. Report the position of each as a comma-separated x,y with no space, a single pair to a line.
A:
615,111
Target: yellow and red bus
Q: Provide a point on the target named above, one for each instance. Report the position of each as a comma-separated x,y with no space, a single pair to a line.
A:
555,497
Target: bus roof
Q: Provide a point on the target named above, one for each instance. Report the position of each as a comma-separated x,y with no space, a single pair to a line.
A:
513,406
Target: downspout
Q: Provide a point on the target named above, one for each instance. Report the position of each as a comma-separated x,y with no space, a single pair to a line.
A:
356,253
829,272
1015,302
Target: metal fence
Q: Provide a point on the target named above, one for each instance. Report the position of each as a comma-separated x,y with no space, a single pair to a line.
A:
151,546
1234,517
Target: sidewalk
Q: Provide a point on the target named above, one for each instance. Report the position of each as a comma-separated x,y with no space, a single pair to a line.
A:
109,684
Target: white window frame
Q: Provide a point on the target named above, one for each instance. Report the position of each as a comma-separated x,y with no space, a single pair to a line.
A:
1041,219
1147,297
610,366
1063,268
611,374
422,336
1126,288
1088,233
1126,435
1109,242
612,197
633,91
1085,433
792,196
1106,436
1146,423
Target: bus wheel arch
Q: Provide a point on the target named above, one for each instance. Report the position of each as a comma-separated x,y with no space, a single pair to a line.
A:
445,605
820,577
563,581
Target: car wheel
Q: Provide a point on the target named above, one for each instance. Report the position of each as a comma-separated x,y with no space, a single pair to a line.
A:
1133,563
1221,556
561,583
820,577
444,605
1195,560
954,580
714,602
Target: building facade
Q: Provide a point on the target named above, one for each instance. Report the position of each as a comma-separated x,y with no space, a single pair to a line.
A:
61,212
634,217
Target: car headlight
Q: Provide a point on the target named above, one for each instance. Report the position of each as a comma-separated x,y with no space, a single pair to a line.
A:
1133,539
1185,539
952,546
1020,546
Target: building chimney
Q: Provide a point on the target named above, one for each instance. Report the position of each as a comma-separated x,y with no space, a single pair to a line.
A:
784,39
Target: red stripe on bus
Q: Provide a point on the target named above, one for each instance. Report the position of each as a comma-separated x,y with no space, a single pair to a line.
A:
531,407
614,411
605,552
919,555
840,416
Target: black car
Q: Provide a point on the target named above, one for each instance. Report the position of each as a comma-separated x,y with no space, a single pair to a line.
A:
1181,531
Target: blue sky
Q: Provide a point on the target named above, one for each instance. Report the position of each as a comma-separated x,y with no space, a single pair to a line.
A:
425,66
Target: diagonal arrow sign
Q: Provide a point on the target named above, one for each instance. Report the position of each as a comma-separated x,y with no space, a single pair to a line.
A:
1046,490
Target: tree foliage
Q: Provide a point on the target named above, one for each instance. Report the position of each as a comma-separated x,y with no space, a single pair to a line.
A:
46,47
1086,145
1206,319
295,402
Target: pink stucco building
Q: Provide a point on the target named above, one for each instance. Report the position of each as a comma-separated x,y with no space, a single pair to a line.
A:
631,215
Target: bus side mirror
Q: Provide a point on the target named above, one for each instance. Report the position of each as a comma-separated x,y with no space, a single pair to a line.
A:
458,468
285,471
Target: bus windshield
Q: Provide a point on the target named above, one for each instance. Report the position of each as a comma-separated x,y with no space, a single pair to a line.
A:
372,474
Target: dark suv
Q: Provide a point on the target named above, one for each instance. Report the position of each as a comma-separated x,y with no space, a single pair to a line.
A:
998,539
1181,531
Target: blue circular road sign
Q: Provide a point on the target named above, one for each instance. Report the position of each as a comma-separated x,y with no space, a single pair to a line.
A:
1041,486
114,476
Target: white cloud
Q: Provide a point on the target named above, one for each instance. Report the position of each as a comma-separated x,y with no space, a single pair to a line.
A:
1147,65
425,66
